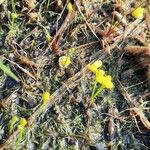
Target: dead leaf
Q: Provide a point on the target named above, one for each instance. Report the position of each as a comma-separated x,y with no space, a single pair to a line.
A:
142,56
23,60
34,16
120,18
30,4
142,117
137,50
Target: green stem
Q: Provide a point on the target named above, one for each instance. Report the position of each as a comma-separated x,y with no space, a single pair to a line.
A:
11,126
13,6
93,91
12,16
42,107
94,95
48,3
12,22
20,136
99,91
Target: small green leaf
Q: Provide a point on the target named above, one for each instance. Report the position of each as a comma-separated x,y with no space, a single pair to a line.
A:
8,71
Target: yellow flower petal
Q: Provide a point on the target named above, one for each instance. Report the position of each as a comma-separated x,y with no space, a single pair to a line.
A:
100,76
100,79
107,83
138,12
64,61
23,122
93,67
97,63
45,96
69,7
100,72
108,78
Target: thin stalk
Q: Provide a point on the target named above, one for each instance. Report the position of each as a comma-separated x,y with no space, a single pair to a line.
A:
20,136
99,91
13,15
93,91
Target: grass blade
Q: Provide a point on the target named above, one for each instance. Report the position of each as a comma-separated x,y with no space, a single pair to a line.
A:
8,71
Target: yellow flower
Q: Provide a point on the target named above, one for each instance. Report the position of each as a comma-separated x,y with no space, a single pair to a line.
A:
94,67
23,122
107,83
138,12
69,7
100,73
64,61
100,76
108,77
45,96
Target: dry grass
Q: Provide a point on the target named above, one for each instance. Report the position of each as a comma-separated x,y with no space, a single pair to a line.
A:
31,43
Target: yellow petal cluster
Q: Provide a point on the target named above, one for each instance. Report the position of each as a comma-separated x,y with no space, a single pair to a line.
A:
107,82
138,12
23,122
94,67
104,80
100,73
64,61
69,7
45,96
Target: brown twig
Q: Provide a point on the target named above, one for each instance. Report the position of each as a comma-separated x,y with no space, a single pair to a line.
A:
131,27
77,4
54,43
137,50
136,111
